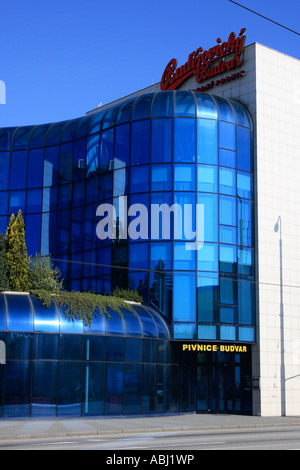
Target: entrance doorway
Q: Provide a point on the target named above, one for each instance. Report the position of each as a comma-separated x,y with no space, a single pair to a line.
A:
222,384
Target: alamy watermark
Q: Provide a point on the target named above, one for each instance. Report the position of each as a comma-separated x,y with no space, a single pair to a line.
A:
2,92
164,222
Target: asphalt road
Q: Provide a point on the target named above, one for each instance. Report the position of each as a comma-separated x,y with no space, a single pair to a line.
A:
144,444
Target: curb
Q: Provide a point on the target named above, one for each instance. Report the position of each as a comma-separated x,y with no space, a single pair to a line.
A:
118,433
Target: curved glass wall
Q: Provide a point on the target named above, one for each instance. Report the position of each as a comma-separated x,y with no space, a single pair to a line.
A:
56,367
176,148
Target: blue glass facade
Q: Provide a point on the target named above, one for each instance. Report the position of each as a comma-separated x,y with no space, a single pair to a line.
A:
180,149
56,367
169,148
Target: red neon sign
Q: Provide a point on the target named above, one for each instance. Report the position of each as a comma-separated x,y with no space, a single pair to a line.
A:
206,63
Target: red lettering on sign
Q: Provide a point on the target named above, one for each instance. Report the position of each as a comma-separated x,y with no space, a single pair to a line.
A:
206,63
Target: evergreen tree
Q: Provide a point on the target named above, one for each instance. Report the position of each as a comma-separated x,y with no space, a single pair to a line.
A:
43,275
4,281
16,253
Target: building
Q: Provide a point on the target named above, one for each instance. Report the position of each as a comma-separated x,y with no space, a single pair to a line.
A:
216,142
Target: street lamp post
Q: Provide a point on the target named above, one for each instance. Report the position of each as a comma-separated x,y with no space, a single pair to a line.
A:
282,368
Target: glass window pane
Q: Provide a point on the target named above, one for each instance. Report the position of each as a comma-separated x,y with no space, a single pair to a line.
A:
207,178
226,112
35,168
227,210
228,290
16,202
114,323
227,314
51,166
44,389
138,255
16,398
227,333
207,332
246,334
94,348
161,258
184,104
184,216
67,325
246,301
20,317
133,325
184,140
207,296
133,389
142,106
109,117
183,258
162,140
242,116
227,183
139,181
71,347
133,348
69,388
161,177
228,259
106,149
120,183
4,170
114,389
227,234
115,349
45,319
124,112
140,139
184,177
227,158
245,223
184,308
18,170
227,135
207,257
244,185
148,324
3,204
19,346
163,104
53,136
79,159
65,163
45,346
34,200
95,123
205,106
160,289
184,330
122,137
92,154
21,137
244,149
82,127
210,202
245,261
6,134
207,142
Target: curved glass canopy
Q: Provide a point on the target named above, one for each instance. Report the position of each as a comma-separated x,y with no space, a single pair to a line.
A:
25,313
160,104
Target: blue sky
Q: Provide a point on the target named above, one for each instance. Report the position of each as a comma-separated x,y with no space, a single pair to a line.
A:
59,59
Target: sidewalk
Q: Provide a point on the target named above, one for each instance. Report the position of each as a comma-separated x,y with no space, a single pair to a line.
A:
12,429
